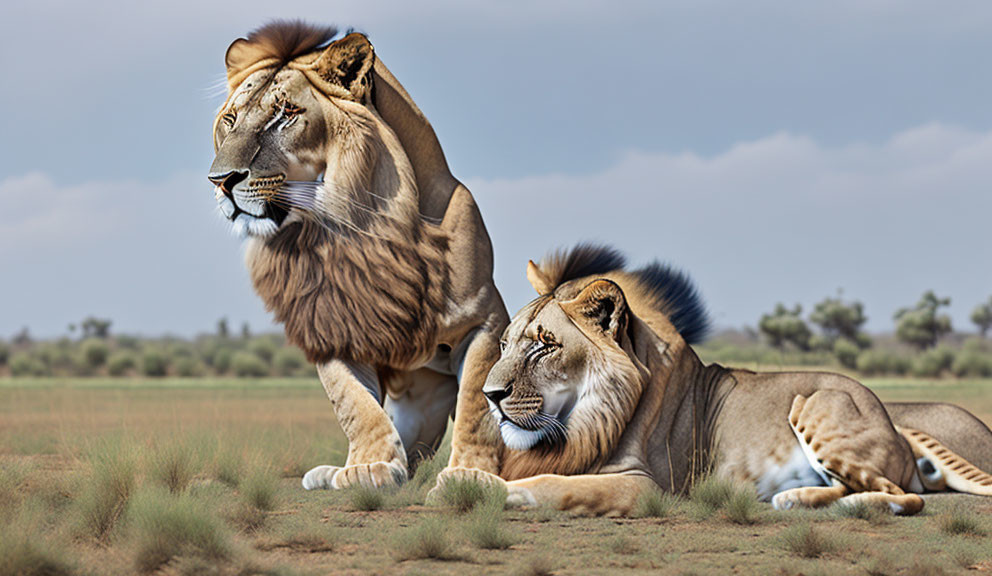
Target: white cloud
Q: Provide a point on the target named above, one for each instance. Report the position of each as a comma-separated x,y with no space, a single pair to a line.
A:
780,218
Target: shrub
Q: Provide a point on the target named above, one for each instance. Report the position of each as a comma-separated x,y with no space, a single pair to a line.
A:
878,362
154,364
655,504
846,352
862,510
428,539
187,367
4,353
622,544
933,362
23,365
247,365
263,348
120,363
95,353
125,342
26,553
167,527
222,360
289,361
806,541
229,467
973,363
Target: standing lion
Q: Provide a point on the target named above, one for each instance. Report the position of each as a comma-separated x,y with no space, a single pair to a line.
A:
362,243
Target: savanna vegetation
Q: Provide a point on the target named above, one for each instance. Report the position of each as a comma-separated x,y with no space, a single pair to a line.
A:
181,476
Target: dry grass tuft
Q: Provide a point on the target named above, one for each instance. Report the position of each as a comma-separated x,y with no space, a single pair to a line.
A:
538,566
229,467
622,544
463,495
876,515
167,526
174,464
957,521
259,488
428,539
24,552
743,506
806,541
365,499
656,504
106,490
711,495
487,531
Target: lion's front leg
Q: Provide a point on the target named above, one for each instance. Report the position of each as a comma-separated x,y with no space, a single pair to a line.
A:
594,494
376,457
475,441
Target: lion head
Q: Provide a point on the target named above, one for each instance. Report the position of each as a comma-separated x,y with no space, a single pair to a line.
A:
572,366
299,137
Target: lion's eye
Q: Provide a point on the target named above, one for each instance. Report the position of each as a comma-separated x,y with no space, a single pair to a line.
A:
546,338
502,346
229,119
292,109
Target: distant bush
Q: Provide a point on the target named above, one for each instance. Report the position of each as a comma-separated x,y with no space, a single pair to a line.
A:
127,342
154,363
120,363
974,364
263,348
221,360
95,353
187,367
23,364
878,362
248,365
289,361
934,362
4,353
846,352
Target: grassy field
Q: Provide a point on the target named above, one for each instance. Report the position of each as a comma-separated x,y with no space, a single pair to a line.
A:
202,476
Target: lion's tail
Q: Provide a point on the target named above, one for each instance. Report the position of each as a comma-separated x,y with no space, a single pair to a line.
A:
940,468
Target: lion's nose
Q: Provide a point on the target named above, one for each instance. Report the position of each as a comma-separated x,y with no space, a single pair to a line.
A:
228,180
497,395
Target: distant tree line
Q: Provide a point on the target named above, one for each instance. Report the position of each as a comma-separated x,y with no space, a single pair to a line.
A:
96,352
924,343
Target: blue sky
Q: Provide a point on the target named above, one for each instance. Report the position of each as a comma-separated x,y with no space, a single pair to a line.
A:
779,151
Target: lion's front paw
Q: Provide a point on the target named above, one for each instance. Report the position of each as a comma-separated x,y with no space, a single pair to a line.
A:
320,478
448,476
520,497
372,475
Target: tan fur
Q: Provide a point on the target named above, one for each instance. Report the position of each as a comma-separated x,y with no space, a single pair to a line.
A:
386,284
688,419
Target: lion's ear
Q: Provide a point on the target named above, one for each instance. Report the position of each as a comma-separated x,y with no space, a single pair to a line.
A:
538,279
240,56
602,306
348,63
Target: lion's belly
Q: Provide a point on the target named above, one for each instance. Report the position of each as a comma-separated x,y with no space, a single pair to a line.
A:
794,472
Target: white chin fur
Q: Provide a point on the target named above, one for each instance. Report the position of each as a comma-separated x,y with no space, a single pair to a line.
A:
245,225
516,438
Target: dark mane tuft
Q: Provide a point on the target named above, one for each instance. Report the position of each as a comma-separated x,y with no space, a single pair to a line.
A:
680,300
584,259
674,292
287,39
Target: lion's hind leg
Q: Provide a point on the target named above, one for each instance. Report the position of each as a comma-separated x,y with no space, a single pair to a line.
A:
855,449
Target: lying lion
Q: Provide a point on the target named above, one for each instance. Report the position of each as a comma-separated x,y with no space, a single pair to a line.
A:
599,398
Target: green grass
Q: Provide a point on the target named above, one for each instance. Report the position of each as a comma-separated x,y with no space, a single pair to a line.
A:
366,499
174,464
260,488
463,494
743,507
957,521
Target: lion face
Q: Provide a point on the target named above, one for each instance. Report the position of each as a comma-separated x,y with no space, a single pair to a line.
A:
283,129
557,356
